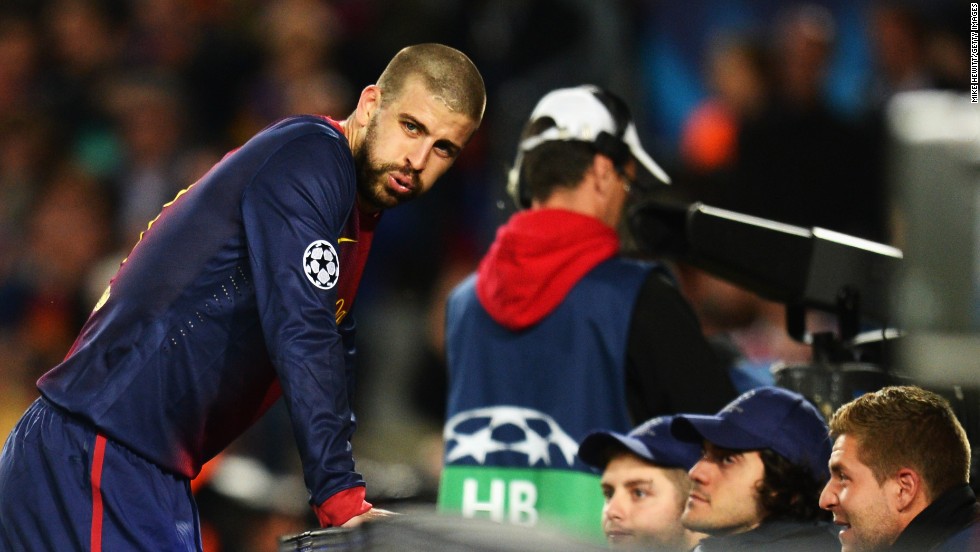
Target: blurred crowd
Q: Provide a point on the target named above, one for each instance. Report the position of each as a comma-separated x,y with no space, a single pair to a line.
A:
108,108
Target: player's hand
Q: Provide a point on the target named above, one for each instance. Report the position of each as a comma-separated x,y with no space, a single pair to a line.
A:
371,515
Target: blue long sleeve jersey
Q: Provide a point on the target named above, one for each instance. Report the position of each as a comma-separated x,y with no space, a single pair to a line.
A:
236,292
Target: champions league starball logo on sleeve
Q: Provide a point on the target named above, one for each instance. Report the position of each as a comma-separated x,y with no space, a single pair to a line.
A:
321,264
508,435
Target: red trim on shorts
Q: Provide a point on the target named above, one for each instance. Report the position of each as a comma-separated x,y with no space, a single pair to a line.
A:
97,458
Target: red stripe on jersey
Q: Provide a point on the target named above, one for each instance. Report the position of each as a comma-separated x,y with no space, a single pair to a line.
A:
97,458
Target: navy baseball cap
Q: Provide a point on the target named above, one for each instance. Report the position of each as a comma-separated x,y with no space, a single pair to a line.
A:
651,440
764,418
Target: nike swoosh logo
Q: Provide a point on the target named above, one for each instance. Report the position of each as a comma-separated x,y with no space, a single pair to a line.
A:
342,240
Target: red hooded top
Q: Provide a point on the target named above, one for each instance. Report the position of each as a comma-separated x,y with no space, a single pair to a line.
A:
536,259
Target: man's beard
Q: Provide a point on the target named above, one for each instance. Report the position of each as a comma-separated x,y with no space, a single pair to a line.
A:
372,178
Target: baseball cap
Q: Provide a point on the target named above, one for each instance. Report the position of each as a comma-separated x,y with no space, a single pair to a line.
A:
651,441
764,418
591,114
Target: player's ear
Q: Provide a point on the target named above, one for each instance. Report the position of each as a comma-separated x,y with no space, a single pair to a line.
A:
367,104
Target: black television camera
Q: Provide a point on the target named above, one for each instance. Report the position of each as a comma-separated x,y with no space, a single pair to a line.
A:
803,268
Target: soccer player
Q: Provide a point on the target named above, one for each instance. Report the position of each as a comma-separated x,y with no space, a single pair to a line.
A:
239,292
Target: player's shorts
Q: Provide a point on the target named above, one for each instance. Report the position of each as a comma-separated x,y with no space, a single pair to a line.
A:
64,486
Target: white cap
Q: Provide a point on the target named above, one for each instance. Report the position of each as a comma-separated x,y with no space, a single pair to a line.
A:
580,115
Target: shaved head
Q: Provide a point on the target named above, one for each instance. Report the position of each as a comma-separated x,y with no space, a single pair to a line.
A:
446,72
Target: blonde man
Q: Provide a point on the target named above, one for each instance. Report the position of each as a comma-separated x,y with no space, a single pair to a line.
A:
900,467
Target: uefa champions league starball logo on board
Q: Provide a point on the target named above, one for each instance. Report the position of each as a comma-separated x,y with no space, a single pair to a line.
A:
321,264
524,435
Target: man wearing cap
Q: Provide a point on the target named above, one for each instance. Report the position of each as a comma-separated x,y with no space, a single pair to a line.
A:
556,333
645,484
758,482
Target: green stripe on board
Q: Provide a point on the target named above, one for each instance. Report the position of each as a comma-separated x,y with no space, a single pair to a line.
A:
567,500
